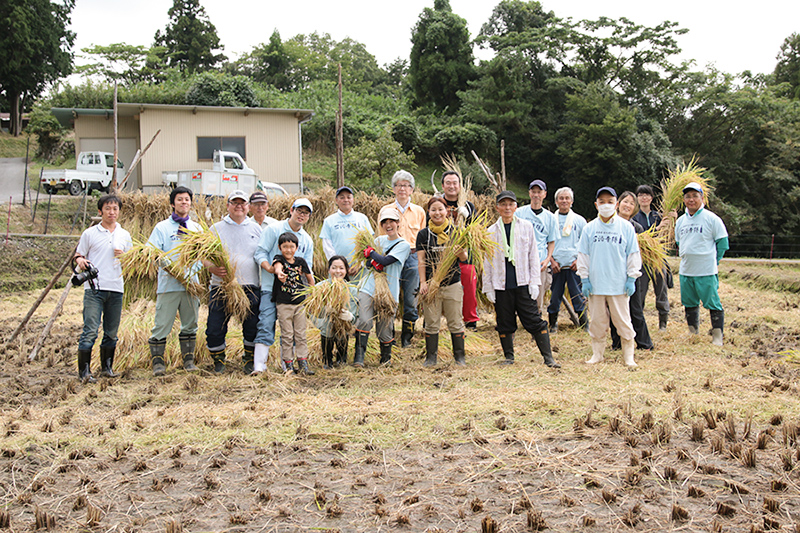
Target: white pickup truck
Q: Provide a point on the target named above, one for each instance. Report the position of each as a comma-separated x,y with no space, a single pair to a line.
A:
229,172
93,169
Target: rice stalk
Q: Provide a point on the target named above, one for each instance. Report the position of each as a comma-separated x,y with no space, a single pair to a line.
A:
653,249
328,299
363,239
140,272
672,186
383,302
450,163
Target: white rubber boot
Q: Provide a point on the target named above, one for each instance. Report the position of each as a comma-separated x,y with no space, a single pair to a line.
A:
598,349
260,355
716,337
627,352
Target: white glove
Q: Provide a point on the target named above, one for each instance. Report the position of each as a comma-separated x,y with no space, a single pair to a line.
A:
534,290
346,315
463,211
490,296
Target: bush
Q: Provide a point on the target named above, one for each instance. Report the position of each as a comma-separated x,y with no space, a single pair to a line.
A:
215,89
370,165
53,145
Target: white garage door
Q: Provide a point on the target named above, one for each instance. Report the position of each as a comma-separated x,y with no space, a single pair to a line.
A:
127,149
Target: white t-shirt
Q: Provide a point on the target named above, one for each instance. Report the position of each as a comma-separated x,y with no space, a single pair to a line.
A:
97,246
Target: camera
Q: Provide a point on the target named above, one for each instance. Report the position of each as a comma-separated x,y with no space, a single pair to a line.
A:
90,275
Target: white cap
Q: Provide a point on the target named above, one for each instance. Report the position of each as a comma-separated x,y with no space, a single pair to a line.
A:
303,202
238,193
693,186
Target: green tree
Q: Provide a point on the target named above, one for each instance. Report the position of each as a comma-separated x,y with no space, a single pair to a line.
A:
441,61
126,63
35,50
369,165
52,144
788,68
268,63
216,89
190,38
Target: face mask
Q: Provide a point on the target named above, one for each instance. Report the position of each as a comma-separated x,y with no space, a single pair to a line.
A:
606,210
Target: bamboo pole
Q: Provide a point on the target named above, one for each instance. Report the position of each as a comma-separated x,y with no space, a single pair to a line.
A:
49,325
41,297
340,137
113,187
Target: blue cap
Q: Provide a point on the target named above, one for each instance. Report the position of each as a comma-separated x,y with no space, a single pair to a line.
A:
537,183
609,190
342,189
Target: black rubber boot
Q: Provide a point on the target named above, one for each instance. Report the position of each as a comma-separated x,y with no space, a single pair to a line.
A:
361,348
693,319
247,359
107,361
326,344
157,347
459,352
219,361
341,350
583,320
85,366
507,343
386,352
288,366
407,334
188,343
553,319
717,326
302,367
542,339
431,349
662,322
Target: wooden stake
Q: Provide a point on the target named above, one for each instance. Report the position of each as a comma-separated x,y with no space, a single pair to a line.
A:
340,137
138,158
113,187
49,325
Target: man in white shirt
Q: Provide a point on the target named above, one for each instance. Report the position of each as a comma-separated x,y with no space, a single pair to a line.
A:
100,246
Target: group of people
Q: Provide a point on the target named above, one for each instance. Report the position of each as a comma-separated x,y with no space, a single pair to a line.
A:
599,263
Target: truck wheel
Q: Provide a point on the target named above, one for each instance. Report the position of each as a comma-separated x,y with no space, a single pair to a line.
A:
75,188
49,190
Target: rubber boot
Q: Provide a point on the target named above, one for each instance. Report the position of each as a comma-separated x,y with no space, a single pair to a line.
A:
431,349
188,343
260,356
627,352
107,361
507,343
326,344
407,334
302,367
85,366
598,349
583,320
553,319
662,322
341,350
693,319
219,361
361,348
386,352
157,347
717,325
459,352
542,339
247,359
288,366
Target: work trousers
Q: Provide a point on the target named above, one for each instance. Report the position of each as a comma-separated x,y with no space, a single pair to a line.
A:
469,282
569,278
292,319
169,304
447,303
512,303
218,318
603,307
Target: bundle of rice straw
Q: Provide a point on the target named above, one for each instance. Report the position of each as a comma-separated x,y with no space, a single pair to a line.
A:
382,301
472,237
327,300
206,244
140,271
653,249
672,186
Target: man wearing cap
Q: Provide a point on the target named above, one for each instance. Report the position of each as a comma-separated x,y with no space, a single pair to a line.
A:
339,228
267,249
565,260
702,240
259,204
608,265
545,226
511,280
412,219
451,189
239,235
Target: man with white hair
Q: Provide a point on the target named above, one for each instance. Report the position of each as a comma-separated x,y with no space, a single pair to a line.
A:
412,219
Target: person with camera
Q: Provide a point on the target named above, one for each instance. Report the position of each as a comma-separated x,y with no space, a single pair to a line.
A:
172,297
101,274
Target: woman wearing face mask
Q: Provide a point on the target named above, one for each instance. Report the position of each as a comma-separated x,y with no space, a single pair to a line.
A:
626,208
608,265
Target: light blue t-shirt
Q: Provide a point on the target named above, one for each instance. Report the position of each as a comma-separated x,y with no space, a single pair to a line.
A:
608,246
566,249
401,251
268,248
545,226
696,238
165,237
340,229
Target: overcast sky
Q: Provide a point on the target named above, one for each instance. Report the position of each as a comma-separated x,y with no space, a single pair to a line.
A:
732,36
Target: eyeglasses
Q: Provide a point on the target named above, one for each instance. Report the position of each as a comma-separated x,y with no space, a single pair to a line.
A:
403,186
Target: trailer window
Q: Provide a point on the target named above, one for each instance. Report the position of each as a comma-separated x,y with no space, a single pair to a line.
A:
207,145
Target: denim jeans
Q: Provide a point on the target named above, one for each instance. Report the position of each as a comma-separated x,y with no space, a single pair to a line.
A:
573,282
106,305
267,315
409,284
